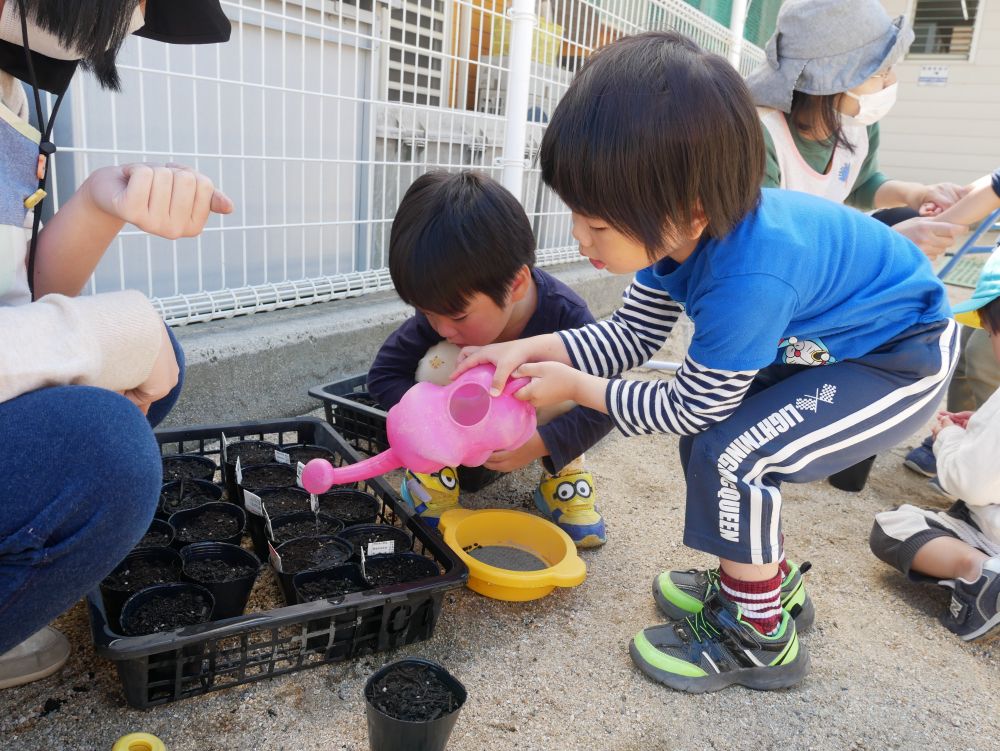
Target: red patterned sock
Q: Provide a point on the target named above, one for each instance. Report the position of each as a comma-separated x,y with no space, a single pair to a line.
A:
760,601
783,567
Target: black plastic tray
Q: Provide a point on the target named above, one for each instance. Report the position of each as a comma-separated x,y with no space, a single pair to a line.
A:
168,666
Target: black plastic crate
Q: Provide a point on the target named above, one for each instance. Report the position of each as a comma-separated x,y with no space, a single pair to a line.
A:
352,411
165,667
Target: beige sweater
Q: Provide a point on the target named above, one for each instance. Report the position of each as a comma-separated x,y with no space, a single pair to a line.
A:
109,340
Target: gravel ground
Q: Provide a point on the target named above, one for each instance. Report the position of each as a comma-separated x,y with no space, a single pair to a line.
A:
555,673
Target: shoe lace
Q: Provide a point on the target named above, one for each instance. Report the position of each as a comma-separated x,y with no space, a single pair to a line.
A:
701,628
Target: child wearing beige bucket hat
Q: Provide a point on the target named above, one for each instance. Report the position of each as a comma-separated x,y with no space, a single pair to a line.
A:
826,83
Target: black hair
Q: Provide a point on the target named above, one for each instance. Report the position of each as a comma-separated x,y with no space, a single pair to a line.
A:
814,113
651,130
97,28
456,234
989,316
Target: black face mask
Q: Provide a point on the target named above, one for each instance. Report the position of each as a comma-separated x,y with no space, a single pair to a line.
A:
170,21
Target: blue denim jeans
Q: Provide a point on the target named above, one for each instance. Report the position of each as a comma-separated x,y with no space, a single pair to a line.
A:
81,477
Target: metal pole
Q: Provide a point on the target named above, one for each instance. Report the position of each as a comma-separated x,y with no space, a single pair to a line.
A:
737,23
523,19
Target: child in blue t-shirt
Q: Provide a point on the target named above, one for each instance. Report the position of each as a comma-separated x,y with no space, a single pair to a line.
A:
821,337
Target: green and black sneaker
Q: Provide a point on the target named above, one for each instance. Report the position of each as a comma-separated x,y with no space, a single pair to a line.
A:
716,648
680,594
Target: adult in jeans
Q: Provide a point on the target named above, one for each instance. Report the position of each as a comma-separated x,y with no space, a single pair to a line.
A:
827,81
82,379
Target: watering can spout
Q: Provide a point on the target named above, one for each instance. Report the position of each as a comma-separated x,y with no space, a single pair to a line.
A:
319,475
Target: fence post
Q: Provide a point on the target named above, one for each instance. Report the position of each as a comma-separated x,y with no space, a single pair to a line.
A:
737,23
522,15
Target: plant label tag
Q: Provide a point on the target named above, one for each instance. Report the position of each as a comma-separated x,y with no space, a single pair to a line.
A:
239,471
253,503
282,457
381,546
224,442
270,530
364,573
314,503
274,558
299,469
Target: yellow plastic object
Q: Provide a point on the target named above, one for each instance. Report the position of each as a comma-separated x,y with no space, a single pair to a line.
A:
467,531
139,742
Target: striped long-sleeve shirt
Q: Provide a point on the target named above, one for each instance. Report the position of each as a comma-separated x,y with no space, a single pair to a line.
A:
696,398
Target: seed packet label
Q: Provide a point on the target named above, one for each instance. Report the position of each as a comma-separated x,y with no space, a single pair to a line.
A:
239,472
224,442
282,457
253,503
382,546
274,558
314,503
299,469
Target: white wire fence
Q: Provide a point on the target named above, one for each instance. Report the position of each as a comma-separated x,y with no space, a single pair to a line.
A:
316,117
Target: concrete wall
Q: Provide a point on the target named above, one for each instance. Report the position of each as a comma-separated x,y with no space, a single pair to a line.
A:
262,366
951,132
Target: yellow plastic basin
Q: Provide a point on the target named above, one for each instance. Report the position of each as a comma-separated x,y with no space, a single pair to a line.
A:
512,555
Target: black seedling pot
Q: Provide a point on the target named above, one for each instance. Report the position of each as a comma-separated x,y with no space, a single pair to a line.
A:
472,479
188,467
272,475
412,705
853,478
182,495
159,535
303,524
211,522
227,571
306,452
398,568
351,506
336,635
275,502
360,535
140,569
166,607
249,453
308,554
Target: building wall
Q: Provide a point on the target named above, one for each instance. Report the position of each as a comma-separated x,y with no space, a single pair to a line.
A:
950,132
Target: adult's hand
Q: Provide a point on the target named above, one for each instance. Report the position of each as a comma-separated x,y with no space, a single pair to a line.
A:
160,380
937,197
933,237
170,201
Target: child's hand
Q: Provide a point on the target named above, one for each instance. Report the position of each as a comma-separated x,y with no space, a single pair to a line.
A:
938,197
551,383
169,201
508,461
932,236
941,422
161,379
506,357
961,419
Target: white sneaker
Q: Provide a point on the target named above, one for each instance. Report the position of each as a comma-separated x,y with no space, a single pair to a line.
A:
37,657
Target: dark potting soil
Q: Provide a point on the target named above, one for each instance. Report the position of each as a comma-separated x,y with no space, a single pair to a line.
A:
285,501
193,496
351,507
306,454
167,613
273,476
141,574
309,552
398,569
250,452
211,525
212,572
154,539
187,467
320,589
304,528
363,397
412,693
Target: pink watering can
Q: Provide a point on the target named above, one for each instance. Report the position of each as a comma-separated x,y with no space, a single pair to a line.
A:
440,426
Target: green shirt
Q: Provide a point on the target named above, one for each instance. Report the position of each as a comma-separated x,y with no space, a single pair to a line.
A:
817,155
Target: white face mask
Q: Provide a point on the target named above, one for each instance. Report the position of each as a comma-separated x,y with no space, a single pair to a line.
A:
872,107
42,41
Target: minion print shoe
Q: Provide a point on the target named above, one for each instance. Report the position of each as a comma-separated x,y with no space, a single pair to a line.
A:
432,494
568,500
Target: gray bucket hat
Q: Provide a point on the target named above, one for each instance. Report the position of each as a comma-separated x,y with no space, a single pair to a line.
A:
827,47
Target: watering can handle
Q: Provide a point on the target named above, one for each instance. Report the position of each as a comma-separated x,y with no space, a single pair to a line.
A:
514,384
